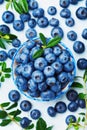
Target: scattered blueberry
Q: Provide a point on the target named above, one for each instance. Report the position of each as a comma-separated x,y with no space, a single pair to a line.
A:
14,95
84,33
57,31
81,103
54,22
81,13
60,107
72,106
25,122
25,105
79,47
70,119
8,17
4,29
51,111
74,2
72,95
1,1
33,4
32,23
64,3
31,33
3,55
42,22
70,22
16,42
82,63
18,25
72,35
11,53
52,10
35,114
65,13
38,13
25,17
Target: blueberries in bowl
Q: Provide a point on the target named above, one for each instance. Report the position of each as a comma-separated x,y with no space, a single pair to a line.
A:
46,77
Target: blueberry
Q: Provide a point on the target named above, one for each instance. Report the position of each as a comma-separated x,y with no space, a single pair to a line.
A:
86,3
22,58
14,95
82,63
42,22
81,103
25,50
32,23
34,94
50,58
32,86
27,70
25,105
42,86
56,88
25,17
35,114
84,33
60,107
1,1
72,106
64,3
48,95
57,32
64,57
4,29
51,111
49,71
30,44
33,4
65,13
81,13
21,82
70,76
33,51
51,81
74,2
54,22
8,17
70,22
31,33
69,66
18,69
18,25
38,13
25,122
70,119
37,76
57,66
40,63
3,55
72,35
79,47
63,77
11,53
47,51
57,50
16,42
72,95
52,10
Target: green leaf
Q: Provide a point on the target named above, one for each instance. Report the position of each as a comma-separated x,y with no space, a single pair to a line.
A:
2,44
8,5
17,118
53,42
2,79
24,5
82,113
38,53
5,122
5,104
41,124
17,7
3,114
43,39
79,119
77,85
11,36
30,127
12,106
7,70
83,119
85,76
4,66
15,113
49,128
81,95
7,75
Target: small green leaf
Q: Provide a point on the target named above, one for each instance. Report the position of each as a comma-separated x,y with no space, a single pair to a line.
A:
2,44
17,7
24,5
6,104
83,119
3,114
12,106
7,75
2,79
41,124
11,36
85,76
7,70
4,66
5,122
53,42
81,95
77,85
79,119
8,5
82,113
49,128
30,127
43,39
38,53
17,118
15,113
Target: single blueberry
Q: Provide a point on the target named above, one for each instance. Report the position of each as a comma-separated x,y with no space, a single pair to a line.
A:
79,47
60,107
69,66
16,42
3,55
38,13
72,106
8,17
48,95
84,33
25,122
47,51
42,22
81,13
65,13
50,58
73,2
70,119
63,77
34,94
22,58
52,10
72,35
11,53
35,114
51,111
33,4
57,66
31,33
4,29
32,23
57,31
57,50
14,95
81,103
18,69
25,17
56,88
25,105
54,22
51,81
64,57
72,95
25,50
42,86
49,71
64,3
32,86
82,63
18,25
27,70
70,22
1,1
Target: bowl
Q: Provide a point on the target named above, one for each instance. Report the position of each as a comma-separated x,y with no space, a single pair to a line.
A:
65,87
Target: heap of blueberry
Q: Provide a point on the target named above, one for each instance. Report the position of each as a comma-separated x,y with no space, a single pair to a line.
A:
47,74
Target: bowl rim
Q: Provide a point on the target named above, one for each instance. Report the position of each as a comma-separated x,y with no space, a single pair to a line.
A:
64,91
